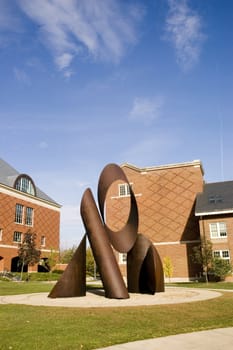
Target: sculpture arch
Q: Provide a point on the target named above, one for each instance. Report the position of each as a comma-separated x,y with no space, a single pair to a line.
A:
144,267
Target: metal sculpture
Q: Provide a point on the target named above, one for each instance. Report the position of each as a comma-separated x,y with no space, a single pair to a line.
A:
73,280
144,267
110,274
124,239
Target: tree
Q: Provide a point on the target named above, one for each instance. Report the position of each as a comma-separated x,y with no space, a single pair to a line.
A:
203,255
90,263
50,262
220,268
67,254
167,267
28,253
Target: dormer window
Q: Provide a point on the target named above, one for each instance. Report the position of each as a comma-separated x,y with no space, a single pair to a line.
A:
215,199
25,184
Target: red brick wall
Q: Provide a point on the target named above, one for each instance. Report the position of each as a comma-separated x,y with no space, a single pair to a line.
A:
46,223
225,243
166,200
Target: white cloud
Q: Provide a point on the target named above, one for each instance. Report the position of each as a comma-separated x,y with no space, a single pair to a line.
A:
64,60
184,30
102,28
146,109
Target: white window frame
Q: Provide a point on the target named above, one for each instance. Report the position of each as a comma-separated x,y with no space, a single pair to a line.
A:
122,258
221,254
42,241
218,230
24,184
19,213
29,216
124,190
17,237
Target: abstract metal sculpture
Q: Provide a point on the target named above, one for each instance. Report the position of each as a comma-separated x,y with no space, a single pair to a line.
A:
105,259
73,280
124,239
144,267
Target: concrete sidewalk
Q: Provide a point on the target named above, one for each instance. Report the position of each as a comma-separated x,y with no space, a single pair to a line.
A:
172,295
216,339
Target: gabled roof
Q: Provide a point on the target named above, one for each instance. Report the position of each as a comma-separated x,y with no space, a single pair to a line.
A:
8,175
216,198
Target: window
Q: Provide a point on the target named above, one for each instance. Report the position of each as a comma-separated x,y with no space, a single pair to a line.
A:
19,213
42,241
215,199
17,237
124,190
1,234
222,254
218,230
29,216
217,254
122,258
25,184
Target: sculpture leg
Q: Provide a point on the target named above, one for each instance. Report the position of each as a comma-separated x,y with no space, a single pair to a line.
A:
110,274
144,268
72,282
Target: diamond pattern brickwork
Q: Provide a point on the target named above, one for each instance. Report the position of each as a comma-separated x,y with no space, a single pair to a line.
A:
165,199
46,223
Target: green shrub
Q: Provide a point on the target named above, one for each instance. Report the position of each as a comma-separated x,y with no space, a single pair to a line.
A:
220,269
39,276
59,272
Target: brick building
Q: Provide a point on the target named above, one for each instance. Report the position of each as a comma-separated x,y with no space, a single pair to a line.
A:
214,208
24,207
166,197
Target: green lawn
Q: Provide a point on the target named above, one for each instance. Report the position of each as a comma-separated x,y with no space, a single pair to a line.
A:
13,288
210,285
32,327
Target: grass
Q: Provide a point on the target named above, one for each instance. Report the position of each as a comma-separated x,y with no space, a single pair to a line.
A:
11,288
14,288
210,285
34,327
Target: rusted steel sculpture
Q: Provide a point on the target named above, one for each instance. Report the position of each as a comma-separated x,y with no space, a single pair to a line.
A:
124,239
73,280
110,274
144,267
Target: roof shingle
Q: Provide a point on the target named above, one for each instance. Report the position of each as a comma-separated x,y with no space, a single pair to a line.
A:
8,176
216,198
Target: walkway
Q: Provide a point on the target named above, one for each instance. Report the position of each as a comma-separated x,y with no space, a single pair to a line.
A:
172,295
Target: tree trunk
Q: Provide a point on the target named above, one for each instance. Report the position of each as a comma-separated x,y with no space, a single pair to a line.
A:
21,274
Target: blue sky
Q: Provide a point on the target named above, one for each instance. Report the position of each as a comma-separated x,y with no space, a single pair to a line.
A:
85,83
